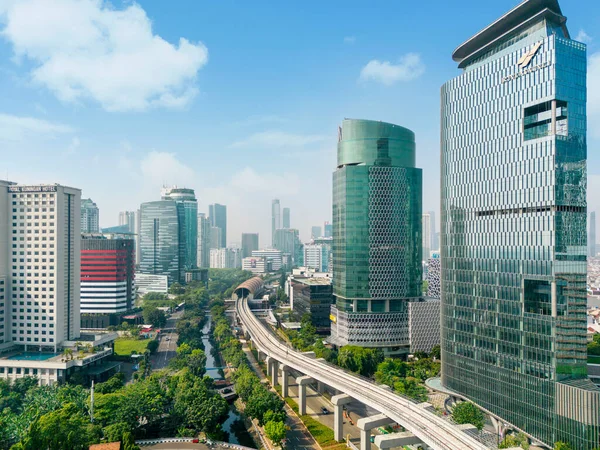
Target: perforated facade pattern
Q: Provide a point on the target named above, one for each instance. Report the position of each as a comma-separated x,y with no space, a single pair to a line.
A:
376,234
514,233
434,268
424,325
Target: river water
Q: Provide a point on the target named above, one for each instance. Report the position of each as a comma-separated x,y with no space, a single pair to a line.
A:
213,372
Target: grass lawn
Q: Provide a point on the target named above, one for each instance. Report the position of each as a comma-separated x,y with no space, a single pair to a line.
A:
124,346
593,359
322,433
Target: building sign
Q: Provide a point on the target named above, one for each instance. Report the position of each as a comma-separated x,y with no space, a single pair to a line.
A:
32,189
524,61
332,318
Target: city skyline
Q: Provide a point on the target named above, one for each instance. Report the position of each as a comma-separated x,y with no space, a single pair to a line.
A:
141,148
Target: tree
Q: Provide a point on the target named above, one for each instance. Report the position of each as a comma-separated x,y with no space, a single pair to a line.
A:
562,446
176,289
359,359
515,440
467,412
436,352
262,400
197,407
152,346
275,430
196,362
154,316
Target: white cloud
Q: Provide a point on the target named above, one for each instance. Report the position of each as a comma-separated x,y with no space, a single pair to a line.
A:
88,49
73,146
16,128
408,68
277,139
593,101
158,168
349,40
582,36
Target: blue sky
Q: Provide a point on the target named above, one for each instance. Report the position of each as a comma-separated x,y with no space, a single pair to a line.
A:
239,100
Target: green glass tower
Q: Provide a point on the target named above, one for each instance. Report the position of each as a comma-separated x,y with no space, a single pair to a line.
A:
513,228
376,235
187,213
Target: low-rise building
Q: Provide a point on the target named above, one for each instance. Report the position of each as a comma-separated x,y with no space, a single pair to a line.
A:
147,282
312,296
273,256
225,258
257,265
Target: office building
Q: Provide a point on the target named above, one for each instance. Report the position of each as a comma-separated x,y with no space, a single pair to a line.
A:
434,271
43,239
275,218
327,230
376,235
215,237
226,258
592,235
187,209
273,257
316,257
249,244
159,239
130,220
107,275
204,241
287,241
147,282
424,325
127,218
286,218
313,296
315,232
426,227
90,216
513,229
327,244
435,244
217,215
257,264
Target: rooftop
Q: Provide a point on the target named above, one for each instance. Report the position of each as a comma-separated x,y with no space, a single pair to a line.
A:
517,18
314,281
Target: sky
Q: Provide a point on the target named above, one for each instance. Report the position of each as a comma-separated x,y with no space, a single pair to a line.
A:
239,100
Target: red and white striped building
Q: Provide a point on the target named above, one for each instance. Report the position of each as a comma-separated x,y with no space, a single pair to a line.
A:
107,275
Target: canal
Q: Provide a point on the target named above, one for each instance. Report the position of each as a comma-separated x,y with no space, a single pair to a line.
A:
233,426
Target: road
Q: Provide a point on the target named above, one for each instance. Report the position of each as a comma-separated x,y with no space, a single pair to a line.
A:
433,430
167,345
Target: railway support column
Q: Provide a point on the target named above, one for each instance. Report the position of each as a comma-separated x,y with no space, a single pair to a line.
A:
302,383
274,372
366,424
338,420
285,373
385,441
269,364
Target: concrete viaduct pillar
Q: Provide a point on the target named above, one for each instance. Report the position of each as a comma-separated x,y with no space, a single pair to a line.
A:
386,441
338,420
285,373
274,372
302,383
366,424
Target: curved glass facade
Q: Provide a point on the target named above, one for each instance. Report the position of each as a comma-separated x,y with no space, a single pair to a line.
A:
376,234
513,235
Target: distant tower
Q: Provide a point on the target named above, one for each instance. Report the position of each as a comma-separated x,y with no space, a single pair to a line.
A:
90,216
275,219
286,218
218,218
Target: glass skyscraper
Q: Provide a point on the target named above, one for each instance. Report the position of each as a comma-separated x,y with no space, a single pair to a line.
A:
187,207
159,240
376,235
513,228
275,218
217,215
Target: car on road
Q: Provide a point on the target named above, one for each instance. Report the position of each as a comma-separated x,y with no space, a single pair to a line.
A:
324,410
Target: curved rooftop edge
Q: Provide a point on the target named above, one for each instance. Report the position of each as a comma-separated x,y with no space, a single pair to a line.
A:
253,285
364,127
507,23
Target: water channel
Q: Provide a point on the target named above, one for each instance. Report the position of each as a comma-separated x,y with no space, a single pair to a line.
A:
212,371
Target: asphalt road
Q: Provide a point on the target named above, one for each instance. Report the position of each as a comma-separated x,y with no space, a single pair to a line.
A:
167,345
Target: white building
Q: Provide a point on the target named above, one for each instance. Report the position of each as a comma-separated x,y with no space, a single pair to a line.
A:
427,242
90,216
256,264
274,257
316,257
147,282
225,258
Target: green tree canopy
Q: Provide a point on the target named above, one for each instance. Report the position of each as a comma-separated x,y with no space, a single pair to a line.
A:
467,412
275,431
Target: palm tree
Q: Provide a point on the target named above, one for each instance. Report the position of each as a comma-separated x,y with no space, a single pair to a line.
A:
68,354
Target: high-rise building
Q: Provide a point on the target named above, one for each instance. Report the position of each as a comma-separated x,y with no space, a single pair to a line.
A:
107,274
131,219
377,239
203,241
513,229
286,218
592,235
249,244
274,258
225,258
275,218
327,230
315,232
187,207
435,244
327,244
217,215
45,231
159,240
215,237
90,216
426,227
316,257
287,241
